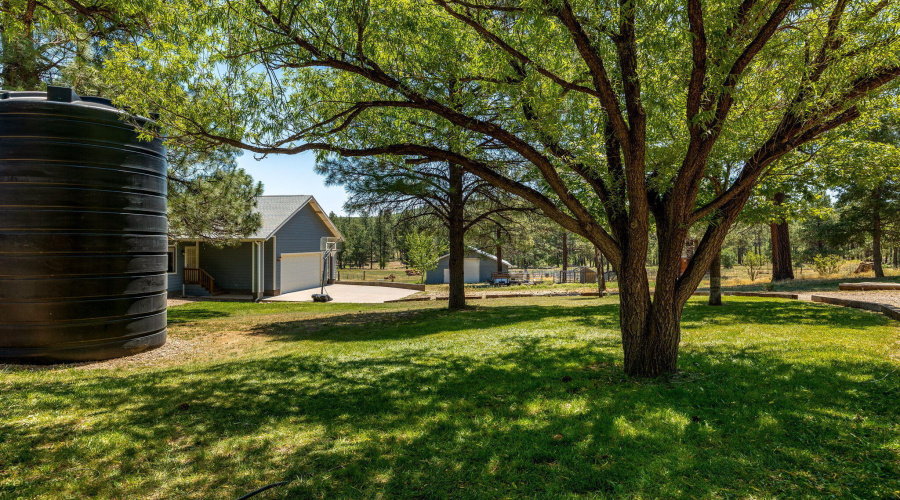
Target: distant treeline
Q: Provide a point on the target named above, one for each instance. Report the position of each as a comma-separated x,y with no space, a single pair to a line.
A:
374,240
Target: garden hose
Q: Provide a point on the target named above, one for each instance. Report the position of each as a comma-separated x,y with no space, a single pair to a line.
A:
264,488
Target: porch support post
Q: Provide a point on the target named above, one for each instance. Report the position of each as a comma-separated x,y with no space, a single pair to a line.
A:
256,252
261,264
274,265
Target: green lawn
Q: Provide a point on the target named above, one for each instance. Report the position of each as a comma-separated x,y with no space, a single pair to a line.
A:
545,286
399,275
510,399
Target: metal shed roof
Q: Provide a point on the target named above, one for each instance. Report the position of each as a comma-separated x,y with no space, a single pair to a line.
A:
479,252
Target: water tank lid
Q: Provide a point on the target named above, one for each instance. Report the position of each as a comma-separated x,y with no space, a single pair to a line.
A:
62,94
56,94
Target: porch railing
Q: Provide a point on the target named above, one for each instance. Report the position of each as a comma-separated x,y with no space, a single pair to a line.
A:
197,276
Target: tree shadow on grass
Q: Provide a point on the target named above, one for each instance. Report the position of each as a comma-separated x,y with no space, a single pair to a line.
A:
395,325
778,312
539,419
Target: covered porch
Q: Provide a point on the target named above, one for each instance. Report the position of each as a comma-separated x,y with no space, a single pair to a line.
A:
200,269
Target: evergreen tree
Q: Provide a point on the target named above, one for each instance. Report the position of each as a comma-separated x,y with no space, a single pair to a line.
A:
62,41
868,180
211,199
458,200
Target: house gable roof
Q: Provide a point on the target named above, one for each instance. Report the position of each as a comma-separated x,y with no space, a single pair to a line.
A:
277,210
481,253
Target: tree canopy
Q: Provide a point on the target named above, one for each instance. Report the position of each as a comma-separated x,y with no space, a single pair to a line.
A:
443,191
614,110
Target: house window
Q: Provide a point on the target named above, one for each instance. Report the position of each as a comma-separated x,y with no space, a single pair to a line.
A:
171,260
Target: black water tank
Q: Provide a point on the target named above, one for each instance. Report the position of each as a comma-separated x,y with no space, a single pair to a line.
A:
82,230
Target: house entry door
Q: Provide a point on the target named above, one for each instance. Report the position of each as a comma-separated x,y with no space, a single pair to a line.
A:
190,258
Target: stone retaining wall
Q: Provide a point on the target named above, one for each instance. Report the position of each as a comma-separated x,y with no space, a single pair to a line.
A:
777,295
388,284
889,311
868,286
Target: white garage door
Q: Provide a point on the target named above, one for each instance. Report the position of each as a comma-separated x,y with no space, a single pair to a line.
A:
471,270
300,271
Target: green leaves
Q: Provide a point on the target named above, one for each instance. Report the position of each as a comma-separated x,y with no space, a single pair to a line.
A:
424,251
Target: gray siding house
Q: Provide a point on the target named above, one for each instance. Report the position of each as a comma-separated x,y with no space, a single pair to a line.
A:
283,256
477,267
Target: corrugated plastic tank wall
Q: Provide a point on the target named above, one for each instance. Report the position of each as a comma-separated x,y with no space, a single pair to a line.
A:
82,231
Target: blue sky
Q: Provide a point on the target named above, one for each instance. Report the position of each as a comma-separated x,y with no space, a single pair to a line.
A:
294,174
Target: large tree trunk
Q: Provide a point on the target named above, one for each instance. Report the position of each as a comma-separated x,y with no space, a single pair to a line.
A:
601,277
499,253
715,280
456,225
651,331
877,231
782,265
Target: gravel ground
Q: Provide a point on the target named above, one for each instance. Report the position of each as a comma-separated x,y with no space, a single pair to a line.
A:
179,301
173,349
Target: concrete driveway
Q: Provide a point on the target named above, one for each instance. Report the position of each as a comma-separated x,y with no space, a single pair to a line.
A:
359,294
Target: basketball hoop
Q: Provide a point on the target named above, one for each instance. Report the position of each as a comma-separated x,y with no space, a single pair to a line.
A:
328,245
